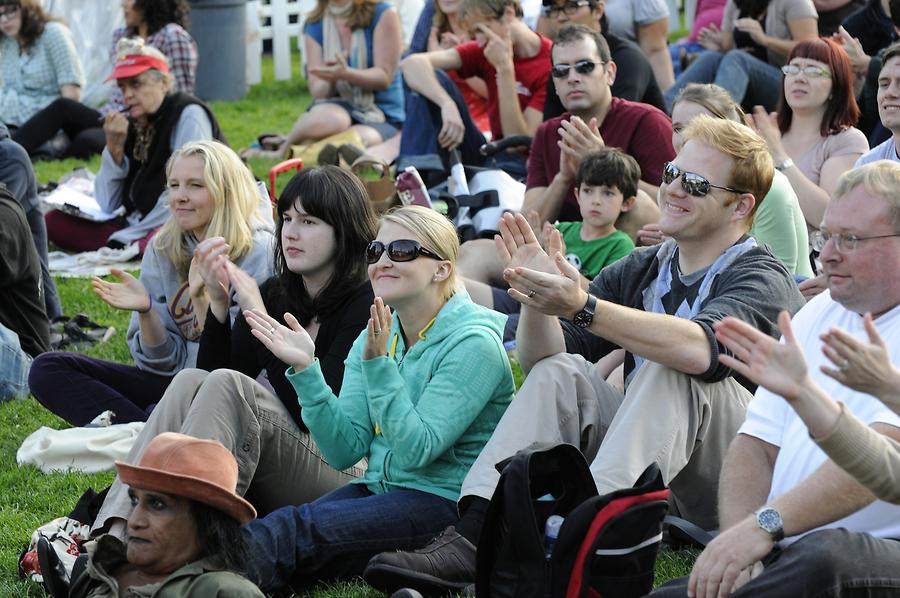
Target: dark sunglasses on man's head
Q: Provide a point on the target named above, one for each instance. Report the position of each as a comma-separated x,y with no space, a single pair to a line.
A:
401,250
569,8
582,67
692,183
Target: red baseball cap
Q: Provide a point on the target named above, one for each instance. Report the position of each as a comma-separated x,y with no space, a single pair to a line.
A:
133,65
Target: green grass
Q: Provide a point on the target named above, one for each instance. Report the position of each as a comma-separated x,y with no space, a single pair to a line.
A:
29,498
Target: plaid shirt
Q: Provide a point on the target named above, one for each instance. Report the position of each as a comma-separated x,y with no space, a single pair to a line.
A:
31,80
180,49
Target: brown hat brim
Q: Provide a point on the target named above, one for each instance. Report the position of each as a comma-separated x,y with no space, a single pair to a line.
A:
157,480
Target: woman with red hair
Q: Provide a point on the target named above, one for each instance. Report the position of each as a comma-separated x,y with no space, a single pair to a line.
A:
812,137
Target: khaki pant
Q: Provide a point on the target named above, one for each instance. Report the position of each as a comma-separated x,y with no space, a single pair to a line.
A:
278,463
665,416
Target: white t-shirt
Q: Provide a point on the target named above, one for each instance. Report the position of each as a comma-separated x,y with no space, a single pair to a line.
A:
625,16
771,419
885,150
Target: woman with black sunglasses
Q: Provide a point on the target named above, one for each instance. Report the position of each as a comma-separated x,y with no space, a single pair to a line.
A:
423,389
241,396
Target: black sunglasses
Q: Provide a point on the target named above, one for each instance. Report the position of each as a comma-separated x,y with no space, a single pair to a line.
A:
692,183
401,250
582,67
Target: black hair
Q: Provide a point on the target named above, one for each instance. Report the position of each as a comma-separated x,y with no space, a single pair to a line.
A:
611,167
220,537
571,34
159,13
339,199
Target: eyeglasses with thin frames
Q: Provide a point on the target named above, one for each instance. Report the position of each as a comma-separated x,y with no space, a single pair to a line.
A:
810,70
843,242
582,67
568,8
9,13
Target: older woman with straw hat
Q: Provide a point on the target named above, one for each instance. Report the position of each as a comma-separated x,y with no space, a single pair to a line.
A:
184,531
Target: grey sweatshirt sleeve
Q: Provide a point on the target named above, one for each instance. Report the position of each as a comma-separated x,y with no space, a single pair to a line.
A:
160,279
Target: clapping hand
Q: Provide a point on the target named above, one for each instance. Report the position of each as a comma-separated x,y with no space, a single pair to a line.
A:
210,263
777,366
378,330
333,70
246,291
864,367
710,38
291,345
130,294
753,28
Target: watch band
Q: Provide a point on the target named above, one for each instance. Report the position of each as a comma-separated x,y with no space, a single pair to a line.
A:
781,167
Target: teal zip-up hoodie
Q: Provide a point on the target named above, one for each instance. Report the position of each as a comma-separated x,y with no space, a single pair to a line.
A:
421,417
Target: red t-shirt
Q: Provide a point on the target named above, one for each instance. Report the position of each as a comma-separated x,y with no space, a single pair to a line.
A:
531,79
640,130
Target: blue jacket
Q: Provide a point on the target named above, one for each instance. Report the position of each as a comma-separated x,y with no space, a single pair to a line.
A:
422,416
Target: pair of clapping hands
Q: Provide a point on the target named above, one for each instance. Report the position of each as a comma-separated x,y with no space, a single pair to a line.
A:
733,557
211,276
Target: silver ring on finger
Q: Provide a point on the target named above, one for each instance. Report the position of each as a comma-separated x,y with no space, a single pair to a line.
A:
532,293
377,331
845,365
271,330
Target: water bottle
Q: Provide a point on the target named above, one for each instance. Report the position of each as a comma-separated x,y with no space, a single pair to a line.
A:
551,533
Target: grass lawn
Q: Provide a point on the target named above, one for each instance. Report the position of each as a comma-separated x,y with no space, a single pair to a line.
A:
29,498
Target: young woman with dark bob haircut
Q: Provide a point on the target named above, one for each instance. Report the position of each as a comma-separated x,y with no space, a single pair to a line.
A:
812,137
324,224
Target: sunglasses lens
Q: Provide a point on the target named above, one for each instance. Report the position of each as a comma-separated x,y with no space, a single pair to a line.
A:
584,67
374,251
560,72
694,184
670,173
403,250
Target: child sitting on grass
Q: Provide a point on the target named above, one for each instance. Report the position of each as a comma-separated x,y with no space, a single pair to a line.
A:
605,186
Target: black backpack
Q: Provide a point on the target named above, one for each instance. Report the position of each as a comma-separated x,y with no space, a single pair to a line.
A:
606,547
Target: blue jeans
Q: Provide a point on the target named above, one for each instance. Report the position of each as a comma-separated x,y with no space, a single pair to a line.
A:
749,80
336,535
675,53
14,366
825,564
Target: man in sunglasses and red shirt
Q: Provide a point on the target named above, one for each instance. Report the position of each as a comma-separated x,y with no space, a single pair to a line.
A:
648,318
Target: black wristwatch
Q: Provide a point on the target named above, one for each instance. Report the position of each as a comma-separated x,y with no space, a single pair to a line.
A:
769,520
584,317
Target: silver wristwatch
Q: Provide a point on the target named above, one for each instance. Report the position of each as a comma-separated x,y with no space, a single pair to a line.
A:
769,520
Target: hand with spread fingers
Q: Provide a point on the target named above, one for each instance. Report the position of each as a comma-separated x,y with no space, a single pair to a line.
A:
517,245
730,560
865,367
552,294
778,366
291,345
582,137
335,70
378,330
710,38
766,125
130,294
753,28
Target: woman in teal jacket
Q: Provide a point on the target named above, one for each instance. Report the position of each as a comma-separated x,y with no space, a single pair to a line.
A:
423,389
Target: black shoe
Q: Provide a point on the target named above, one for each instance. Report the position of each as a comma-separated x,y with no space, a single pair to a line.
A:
445,565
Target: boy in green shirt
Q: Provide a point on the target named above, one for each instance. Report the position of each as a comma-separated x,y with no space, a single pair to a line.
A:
605,187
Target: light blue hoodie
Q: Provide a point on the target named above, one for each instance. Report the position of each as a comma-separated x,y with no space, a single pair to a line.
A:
422,416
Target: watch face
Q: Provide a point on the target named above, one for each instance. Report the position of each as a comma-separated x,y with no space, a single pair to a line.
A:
769,520
583,319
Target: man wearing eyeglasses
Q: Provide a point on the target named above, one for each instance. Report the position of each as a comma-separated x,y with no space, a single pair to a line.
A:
778,488
511,59
650,316
640,83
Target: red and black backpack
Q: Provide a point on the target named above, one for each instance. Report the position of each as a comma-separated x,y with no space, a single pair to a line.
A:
606,547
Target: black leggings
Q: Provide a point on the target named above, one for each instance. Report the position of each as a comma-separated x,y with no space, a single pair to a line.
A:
81,123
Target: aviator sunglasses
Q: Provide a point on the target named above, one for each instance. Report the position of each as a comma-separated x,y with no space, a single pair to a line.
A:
692,183
401,250
582,67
